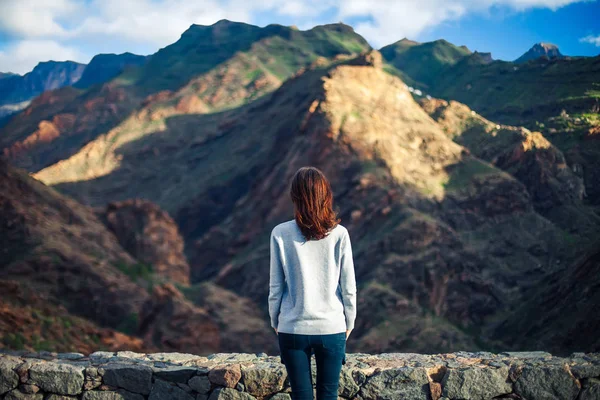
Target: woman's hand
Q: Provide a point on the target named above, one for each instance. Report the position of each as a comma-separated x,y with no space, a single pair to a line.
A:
276,331
348,333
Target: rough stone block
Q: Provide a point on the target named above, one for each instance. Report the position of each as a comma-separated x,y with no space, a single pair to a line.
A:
476,383
106,395
164,390
18,395
547,382
225,375
200,384
264,379
229,394
131,377
9,379
57,378
176,374
397,383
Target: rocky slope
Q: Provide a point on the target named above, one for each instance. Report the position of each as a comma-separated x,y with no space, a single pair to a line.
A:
66,280
460,226
527,155
501,91
547,50
467,237
150,235
224,65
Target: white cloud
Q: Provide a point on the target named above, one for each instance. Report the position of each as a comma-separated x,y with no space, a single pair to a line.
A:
595,40
143,26
391,20
25,55
35,18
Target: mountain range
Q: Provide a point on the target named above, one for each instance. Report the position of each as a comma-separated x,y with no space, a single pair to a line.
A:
137,204
17,91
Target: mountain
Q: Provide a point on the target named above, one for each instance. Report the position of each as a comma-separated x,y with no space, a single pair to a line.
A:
222,65
16,91
104,67
45,76
547,50
509,93
410,57
467,231
67,281
501,91
448,239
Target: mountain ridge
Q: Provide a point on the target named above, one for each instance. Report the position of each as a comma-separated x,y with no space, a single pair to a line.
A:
538,50
459,222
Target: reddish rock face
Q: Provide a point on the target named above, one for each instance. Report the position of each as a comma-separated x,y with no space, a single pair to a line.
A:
150,235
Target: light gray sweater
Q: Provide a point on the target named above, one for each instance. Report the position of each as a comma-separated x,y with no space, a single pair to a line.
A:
312,288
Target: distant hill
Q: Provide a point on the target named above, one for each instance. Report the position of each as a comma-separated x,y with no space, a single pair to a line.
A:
104,67
503,91
17,91
538,50
423,62
47,75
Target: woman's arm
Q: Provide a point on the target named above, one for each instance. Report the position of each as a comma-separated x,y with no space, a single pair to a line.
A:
276,282
348,282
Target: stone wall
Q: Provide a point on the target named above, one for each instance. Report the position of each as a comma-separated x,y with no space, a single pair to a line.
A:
461,375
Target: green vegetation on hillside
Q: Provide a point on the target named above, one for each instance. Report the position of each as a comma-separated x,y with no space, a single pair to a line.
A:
281,49
423,63
502,91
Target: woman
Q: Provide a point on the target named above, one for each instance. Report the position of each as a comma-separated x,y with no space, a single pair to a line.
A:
312,289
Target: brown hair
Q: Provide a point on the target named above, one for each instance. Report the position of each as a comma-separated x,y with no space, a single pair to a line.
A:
313,203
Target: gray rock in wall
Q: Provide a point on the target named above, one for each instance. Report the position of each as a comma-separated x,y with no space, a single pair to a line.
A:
548,382
200,384
396,383
165,390
175,373
476,383
263,379
281,396
57,378
229,394
587,370
8,377
350,382
106,395
18,395
590,389
452,376
131,377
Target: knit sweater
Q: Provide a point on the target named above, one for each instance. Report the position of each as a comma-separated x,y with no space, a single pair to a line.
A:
312,288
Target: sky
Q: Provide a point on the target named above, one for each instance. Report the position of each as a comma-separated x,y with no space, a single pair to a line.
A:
40,30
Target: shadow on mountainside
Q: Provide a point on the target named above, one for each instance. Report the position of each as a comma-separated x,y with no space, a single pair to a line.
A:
445,252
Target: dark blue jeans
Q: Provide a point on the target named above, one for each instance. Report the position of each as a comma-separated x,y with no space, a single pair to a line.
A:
330,353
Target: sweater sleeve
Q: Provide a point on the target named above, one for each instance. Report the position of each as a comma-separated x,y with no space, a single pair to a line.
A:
348,282
276,282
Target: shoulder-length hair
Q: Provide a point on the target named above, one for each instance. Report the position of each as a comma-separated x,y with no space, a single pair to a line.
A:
313,203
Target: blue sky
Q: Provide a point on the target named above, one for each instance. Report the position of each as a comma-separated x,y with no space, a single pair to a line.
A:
40,30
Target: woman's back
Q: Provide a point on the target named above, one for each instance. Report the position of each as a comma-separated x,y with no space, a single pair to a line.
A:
312,284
